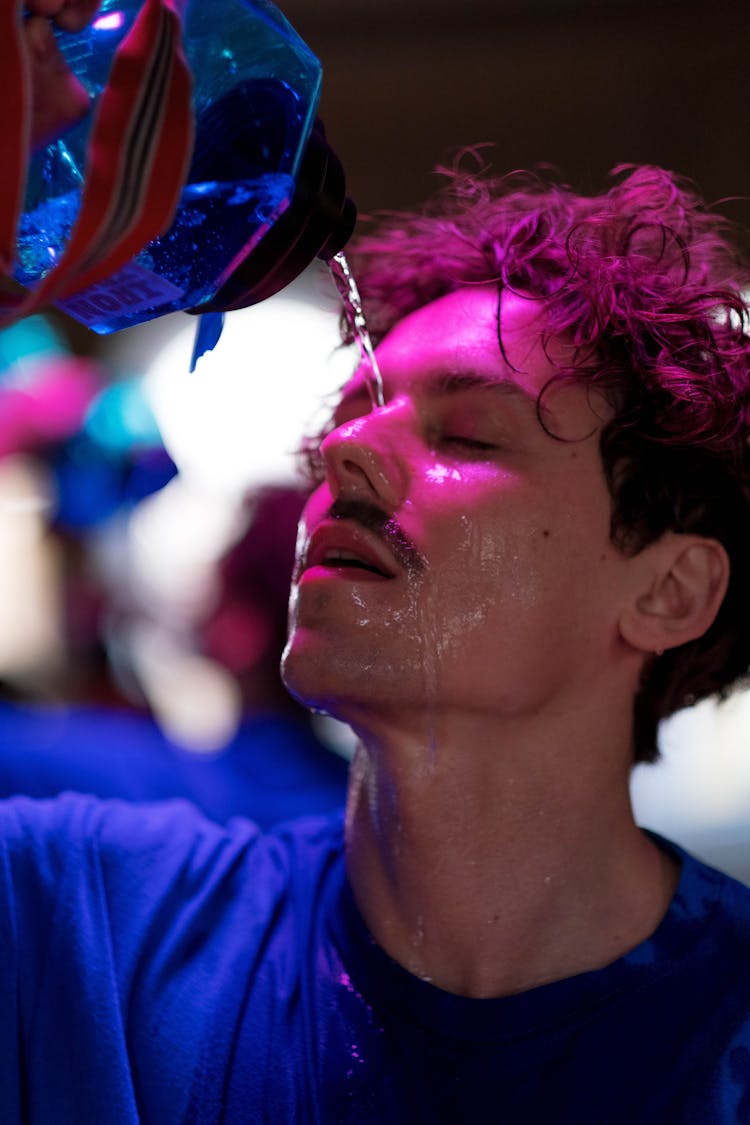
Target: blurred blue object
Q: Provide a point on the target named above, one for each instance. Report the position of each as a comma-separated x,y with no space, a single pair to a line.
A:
92,483
274,769
210,326
25,342
121,417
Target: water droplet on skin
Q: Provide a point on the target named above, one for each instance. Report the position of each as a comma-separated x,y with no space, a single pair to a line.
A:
439,474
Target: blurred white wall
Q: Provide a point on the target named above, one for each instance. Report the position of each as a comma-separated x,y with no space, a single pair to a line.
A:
698,794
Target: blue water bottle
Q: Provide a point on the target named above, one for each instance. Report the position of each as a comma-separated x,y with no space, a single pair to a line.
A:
263,195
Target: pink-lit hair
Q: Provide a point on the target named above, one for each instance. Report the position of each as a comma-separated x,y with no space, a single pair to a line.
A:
646,281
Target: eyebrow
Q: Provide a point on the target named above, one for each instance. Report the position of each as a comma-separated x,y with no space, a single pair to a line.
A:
452,382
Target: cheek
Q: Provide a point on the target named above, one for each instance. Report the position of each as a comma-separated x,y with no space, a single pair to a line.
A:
478,569
498,564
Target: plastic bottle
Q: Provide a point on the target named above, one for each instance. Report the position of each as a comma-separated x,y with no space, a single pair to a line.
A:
264,195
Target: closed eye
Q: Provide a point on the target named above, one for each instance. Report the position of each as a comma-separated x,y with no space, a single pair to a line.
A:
468,442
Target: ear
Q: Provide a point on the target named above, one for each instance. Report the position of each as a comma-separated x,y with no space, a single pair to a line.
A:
683,582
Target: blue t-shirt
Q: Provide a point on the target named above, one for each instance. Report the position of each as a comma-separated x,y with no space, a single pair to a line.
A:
157,968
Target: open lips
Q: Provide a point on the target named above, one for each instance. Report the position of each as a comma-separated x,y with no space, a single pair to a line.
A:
342,545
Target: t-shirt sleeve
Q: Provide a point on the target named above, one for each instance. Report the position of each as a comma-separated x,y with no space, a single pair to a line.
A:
114,920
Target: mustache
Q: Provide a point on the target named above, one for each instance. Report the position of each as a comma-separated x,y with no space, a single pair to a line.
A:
385,527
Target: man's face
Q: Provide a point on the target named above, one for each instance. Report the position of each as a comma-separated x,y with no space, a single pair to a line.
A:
458,556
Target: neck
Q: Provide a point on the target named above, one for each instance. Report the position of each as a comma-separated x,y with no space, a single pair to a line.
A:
489,862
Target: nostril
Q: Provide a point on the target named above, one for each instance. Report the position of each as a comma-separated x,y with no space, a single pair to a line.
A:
353,467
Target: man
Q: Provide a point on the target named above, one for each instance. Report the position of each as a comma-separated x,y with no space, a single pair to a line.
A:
532,551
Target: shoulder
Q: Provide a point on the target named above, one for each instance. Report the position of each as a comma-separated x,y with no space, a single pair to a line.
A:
142,825
140,854
704,939
706,894
163,922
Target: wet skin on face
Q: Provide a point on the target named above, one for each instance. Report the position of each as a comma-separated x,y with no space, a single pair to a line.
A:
458,555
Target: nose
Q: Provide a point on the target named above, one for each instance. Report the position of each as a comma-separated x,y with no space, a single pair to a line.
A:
368,457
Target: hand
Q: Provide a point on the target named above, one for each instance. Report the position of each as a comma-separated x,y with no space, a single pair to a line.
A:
70,15
58,98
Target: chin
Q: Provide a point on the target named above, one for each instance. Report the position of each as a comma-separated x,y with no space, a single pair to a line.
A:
324,681
306,674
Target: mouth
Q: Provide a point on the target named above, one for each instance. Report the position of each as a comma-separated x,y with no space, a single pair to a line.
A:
347,560
346,550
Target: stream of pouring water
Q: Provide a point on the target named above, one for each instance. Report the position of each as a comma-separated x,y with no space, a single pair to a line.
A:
354,313
355,316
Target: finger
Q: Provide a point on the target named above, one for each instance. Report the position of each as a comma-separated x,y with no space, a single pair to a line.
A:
74,15
47,8
58,98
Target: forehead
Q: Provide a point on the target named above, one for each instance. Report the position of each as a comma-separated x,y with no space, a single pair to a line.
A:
459,335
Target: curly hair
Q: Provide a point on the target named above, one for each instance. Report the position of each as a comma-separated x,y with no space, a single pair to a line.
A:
646,282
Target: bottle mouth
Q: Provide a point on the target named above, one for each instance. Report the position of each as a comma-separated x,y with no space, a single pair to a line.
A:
317,223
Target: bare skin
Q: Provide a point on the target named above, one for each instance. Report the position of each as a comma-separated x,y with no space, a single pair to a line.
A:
59,99
491,845
492,884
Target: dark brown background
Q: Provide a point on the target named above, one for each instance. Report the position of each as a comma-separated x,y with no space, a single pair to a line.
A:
583,86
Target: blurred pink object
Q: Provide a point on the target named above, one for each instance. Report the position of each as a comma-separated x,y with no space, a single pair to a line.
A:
50,405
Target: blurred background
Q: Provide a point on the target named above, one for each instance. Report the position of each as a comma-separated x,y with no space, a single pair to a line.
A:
123,507
580,85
